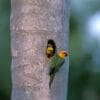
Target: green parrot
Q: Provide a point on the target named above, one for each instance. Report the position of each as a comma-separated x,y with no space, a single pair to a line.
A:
56,63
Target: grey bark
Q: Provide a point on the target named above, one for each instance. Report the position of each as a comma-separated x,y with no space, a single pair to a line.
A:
33,22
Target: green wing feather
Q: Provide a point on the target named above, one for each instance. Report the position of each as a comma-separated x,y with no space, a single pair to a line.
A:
56,63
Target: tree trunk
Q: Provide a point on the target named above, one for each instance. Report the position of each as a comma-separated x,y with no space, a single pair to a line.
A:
33,22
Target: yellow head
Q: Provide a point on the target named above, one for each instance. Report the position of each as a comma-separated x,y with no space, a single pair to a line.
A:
63,54
49,50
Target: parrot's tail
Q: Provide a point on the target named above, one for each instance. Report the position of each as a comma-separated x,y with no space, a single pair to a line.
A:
51,80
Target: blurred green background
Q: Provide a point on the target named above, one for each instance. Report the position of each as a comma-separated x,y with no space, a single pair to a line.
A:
84,72
5,79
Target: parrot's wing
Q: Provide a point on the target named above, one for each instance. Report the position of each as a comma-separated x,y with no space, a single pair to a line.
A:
53,71
56,63
59,65
55,66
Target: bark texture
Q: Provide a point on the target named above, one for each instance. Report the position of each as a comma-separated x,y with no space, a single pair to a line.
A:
33,22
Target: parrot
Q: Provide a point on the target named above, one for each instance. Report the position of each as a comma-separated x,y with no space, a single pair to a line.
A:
51,48
56,63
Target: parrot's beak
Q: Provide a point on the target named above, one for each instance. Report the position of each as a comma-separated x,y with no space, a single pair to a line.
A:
66,53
